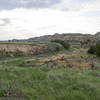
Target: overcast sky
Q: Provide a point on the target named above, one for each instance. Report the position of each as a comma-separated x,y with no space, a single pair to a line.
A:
30,18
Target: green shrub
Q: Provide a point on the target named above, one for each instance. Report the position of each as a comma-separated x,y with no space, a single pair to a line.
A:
95,49
54,47
65,44
2,93
92,49
98,49
58,48
44,68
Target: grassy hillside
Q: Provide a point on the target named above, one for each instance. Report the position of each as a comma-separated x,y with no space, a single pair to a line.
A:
66,75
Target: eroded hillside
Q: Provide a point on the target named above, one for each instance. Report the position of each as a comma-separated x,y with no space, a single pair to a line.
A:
14,49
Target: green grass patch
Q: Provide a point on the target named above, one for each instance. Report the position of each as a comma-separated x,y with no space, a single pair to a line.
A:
55,84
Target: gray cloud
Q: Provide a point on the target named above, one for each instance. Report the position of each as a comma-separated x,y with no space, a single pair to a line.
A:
12,4
6,21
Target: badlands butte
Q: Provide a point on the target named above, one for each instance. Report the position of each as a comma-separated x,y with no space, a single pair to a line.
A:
43,44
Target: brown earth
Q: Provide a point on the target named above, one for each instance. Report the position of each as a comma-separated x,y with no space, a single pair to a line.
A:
29,49
75,59
26,49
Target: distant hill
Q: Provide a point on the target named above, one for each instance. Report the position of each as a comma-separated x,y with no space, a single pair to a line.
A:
97,34
64,36
70,37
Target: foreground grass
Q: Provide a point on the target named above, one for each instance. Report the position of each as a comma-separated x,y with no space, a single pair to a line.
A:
19,83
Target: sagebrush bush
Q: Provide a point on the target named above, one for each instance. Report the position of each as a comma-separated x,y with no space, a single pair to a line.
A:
54,47
65,44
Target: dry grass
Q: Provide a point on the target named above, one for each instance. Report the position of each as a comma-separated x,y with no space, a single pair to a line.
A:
78,59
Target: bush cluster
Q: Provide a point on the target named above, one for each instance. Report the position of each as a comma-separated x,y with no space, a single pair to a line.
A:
95,49
65,44
92,49
54,47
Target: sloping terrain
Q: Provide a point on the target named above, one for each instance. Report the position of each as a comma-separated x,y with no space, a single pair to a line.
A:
63,75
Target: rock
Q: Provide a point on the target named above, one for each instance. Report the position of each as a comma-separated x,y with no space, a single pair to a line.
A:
63,58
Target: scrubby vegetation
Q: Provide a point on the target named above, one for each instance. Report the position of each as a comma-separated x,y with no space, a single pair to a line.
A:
54,47
65,44
95,49
98,49
92,49
4,54
52,74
